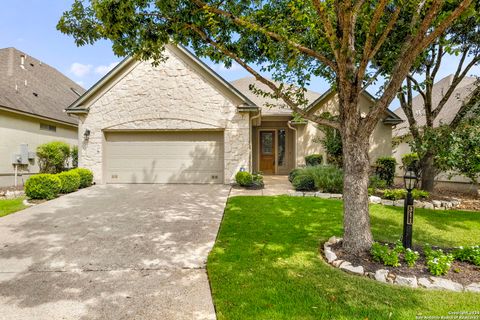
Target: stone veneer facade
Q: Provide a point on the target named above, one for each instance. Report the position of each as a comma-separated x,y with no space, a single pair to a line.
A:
170,96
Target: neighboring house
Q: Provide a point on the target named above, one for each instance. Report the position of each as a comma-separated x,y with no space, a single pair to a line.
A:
448,113
33,97
180,122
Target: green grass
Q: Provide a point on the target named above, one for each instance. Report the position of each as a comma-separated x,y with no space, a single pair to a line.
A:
11,206
266,265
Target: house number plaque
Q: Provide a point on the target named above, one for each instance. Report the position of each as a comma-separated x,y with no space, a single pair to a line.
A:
410,214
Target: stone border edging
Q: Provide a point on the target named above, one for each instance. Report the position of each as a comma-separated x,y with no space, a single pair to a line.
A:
386,276
11,194
434,204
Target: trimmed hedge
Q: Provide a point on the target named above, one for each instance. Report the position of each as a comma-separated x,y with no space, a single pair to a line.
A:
385,169
86,177
53,156
69,180
244,178
314,160
304,183
293,174
43,186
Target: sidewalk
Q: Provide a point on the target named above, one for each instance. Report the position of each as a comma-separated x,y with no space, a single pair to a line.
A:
274,186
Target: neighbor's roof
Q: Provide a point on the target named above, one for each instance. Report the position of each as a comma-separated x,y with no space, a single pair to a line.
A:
78,107
36,88
278,107
449,111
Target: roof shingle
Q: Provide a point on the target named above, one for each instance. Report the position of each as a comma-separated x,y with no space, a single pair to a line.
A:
35,87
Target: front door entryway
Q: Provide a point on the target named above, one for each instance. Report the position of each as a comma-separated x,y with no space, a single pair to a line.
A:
267,152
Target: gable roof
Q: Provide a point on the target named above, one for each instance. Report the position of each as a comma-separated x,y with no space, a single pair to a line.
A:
449,111
35,88
78,107
391,117
278,107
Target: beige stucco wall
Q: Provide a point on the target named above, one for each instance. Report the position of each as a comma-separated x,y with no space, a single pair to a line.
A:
448,179
175,95
309,136
16,129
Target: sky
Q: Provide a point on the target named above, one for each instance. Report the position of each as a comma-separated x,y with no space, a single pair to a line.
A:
30,26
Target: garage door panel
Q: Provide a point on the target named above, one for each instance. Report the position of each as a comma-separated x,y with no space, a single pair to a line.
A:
164,157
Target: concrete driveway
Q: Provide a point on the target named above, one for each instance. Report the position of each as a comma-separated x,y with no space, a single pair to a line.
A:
112,252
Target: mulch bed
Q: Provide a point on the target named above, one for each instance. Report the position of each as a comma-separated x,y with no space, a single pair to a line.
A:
461,272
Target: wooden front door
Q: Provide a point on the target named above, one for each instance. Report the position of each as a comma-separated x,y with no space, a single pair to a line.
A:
267,152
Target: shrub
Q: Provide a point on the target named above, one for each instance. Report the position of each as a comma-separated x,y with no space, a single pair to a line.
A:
304,182
314,160
257,180
382,253
438,263
468,254
327,178
394,194
293,174
69,181
86,177
411,257
74,156
244,178
410,160
53,156
385,169
376,183
42,186
420,194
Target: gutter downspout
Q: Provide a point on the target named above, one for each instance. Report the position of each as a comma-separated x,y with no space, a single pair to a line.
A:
289,124
251,138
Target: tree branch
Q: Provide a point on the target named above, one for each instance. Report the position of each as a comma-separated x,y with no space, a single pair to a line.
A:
258,28
417,86
327,25
276,90
410,50
473,102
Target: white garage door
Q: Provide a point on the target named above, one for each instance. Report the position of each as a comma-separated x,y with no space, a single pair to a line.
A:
164,157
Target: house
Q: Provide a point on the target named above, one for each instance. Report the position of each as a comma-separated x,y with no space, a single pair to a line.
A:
462,92
180,122
33,96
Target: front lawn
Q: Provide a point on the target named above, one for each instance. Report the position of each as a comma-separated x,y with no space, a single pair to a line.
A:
11,206
266,265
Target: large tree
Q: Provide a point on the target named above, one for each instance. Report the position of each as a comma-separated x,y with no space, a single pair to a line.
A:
293,40
463,40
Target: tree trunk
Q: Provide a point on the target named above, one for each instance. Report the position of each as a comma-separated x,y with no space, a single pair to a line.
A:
428,172
356,220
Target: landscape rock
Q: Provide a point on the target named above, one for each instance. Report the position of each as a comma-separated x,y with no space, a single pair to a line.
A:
386,202
330,255
336,196
399,203
297,194
406,281
309,194
375,199
429,205
347,266
419,204
424,282
323,195
437,203
444,284
473,287
333,240
391,277
381,275
337,263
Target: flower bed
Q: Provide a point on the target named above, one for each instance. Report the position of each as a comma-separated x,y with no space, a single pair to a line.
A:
460,276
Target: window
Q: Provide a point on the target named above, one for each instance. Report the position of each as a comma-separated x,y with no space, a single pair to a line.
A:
267,142
48,127
282,134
